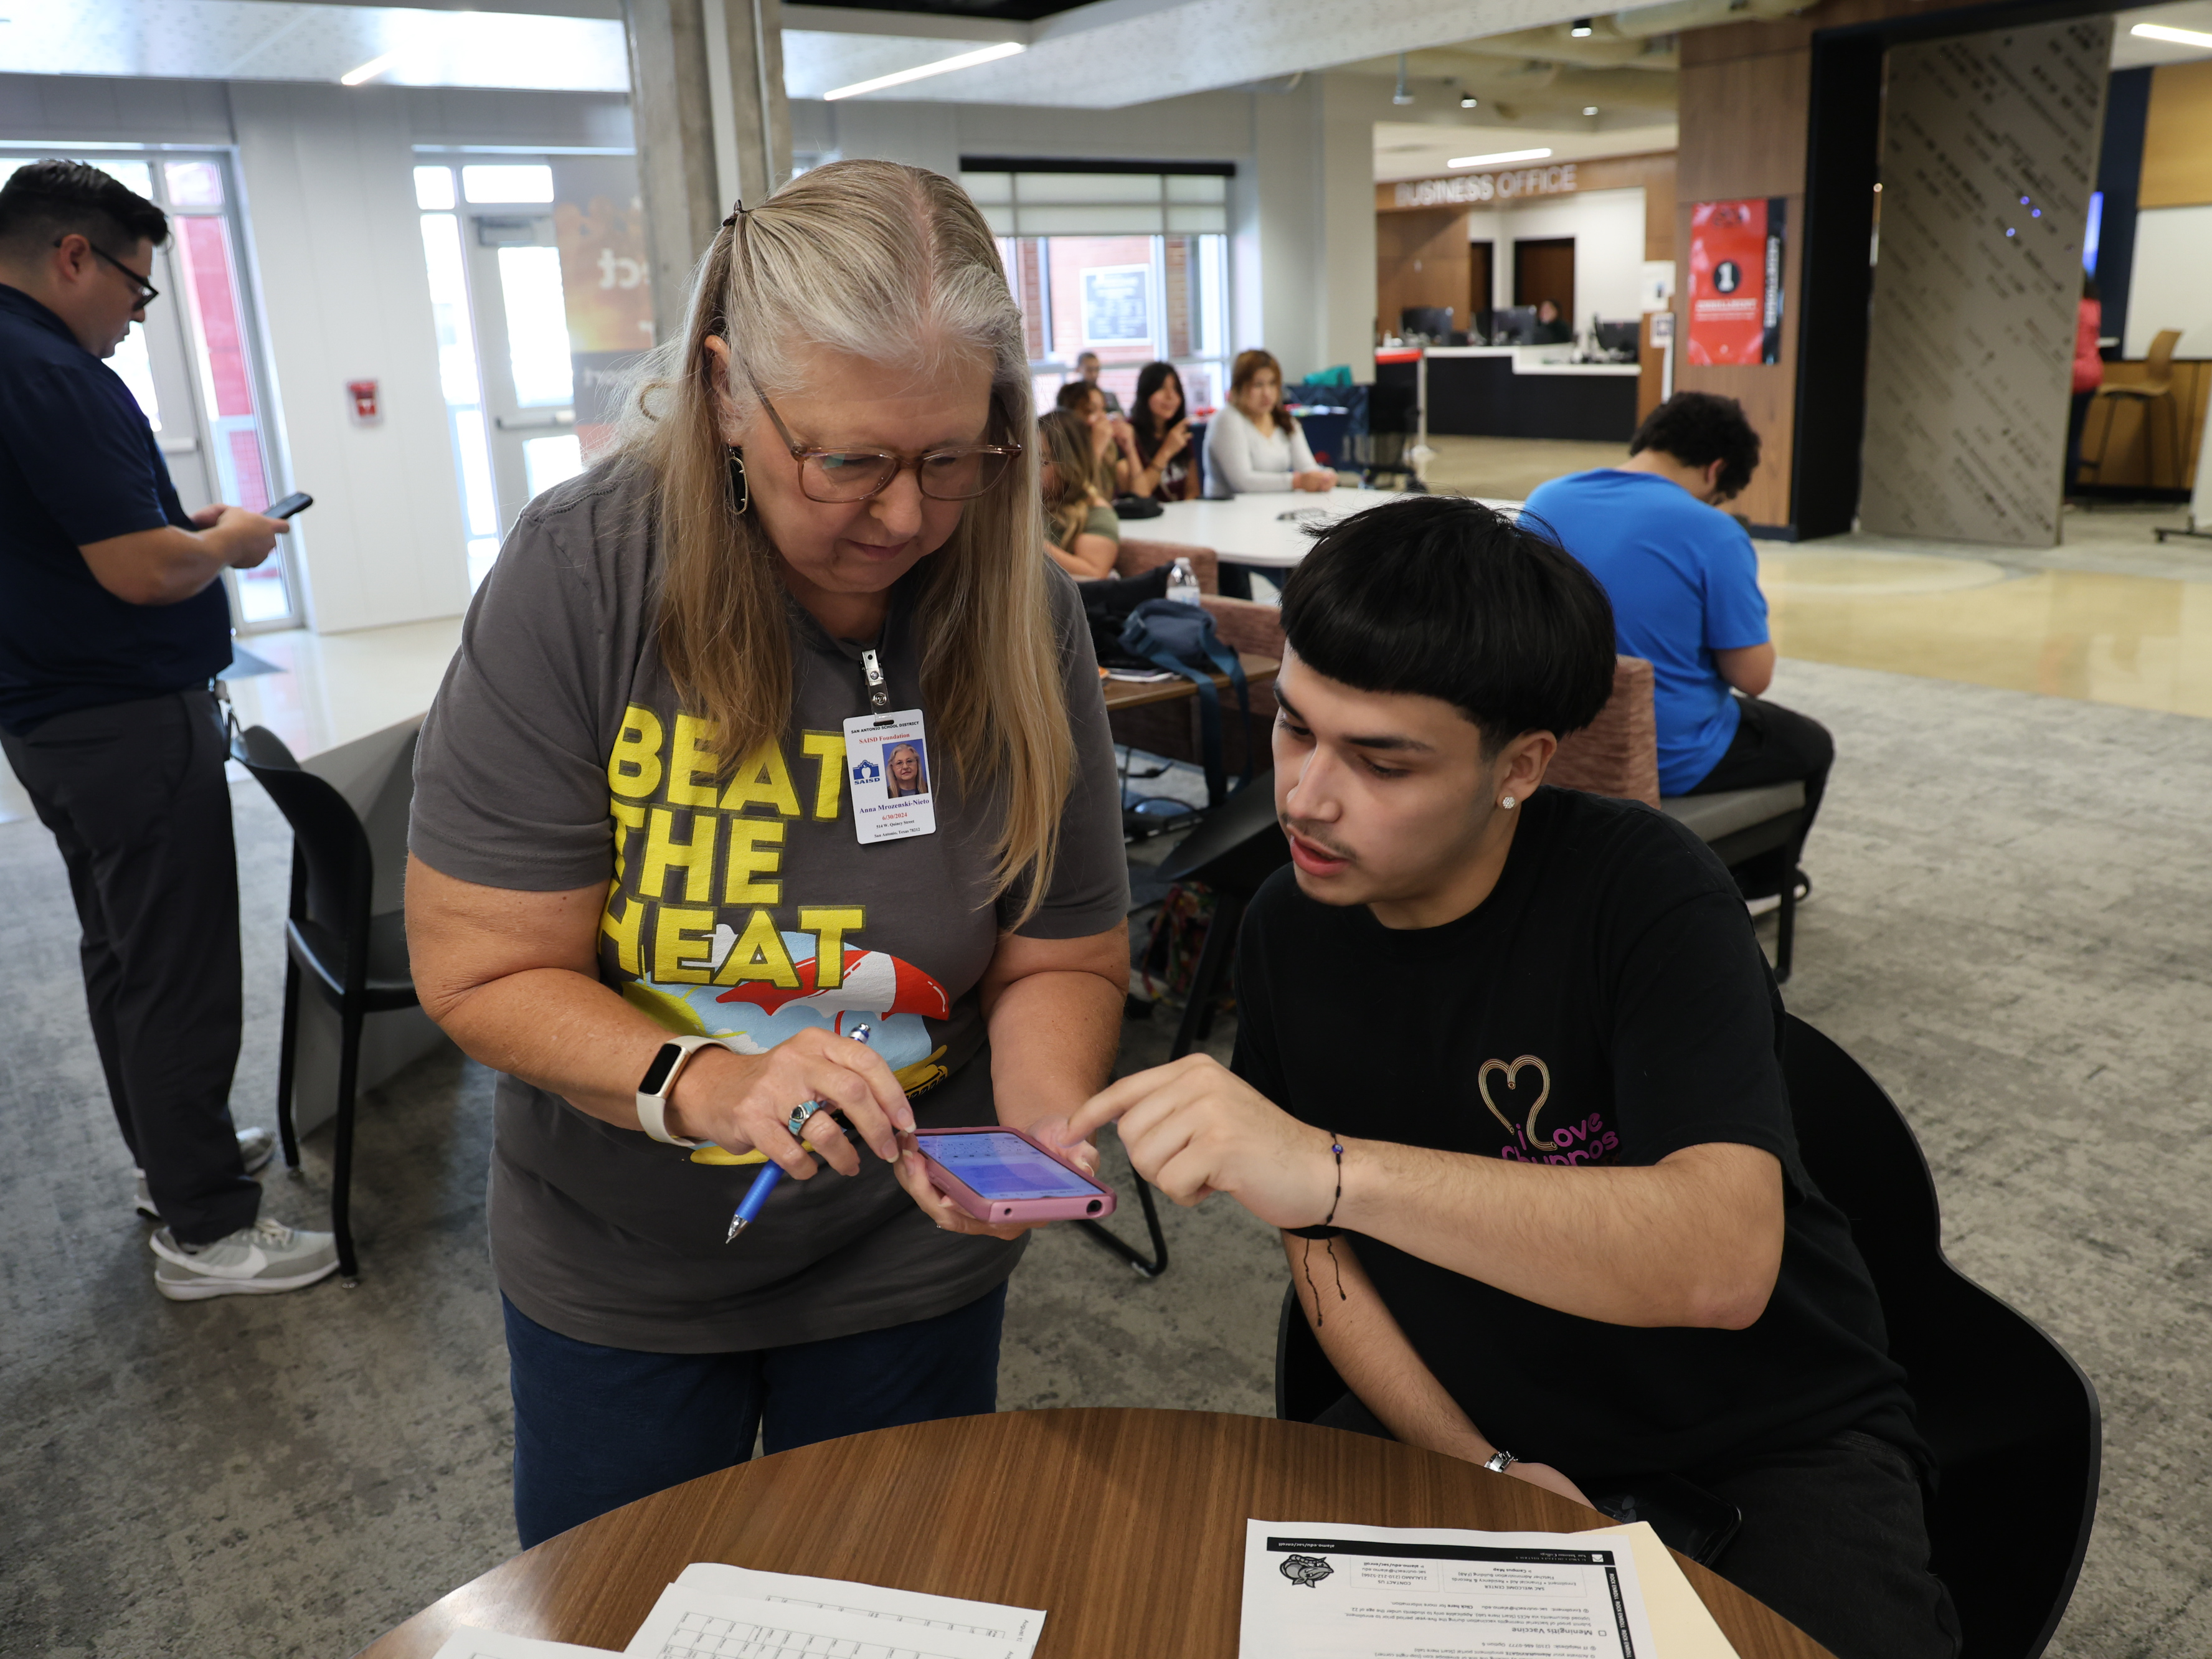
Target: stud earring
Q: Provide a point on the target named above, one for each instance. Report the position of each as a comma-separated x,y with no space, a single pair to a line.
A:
1507,803
739,489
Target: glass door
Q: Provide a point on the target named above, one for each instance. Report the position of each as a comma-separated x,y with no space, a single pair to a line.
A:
194,364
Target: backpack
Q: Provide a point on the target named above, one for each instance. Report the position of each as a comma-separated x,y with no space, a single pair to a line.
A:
1181,638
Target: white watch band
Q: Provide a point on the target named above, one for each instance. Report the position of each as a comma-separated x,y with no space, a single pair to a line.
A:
652,1107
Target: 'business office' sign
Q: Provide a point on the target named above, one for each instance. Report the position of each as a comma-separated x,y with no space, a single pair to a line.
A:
1506,186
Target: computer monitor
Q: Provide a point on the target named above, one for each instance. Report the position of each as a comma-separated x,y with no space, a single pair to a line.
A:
1617,336
1430,322
1517,325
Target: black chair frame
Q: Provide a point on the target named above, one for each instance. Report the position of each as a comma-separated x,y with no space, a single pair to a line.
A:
1755,841
327,937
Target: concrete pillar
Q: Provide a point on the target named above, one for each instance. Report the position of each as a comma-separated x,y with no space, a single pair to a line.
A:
707,95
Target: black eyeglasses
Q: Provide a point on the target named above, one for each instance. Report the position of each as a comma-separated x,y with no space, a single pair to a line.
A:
957,474
146,291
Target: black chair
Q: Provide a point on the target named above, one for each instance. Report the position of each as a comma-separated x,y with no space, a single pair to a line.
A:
356,960
2014,1423
1753,829
1238,846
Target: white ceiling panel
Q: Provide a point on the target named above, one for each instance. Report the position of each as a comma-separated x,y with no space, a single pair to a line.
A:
266,40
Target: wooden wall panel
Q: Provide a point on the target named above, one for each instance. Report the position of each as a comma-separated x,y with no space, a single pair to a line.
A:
1747,137
2176,166
1421,258
1659,207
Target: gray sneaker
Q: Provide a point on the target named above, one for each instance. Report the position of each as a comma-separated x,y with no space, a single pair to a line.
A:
256,1146
255,1261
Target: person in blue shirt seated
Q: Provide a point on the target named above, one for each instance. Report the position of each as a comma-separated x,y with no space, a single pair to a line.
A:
1507,1081
1684,583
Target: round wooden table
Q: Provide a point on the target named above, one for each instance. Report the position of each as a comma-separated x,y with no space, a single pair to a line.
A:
1126,1527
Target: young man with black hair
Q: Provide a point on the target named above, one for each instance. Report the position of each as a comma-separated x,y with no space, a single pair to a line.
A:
1684,583
113,623
1507,1076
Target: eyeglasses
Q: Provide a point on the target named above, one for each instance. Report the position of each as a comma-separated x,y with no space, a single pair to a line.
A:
146,291
957,474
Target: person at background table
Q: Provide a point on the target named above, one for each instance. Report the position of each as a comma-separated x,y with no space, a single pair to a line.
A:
1684,582
1161,464
114,623
1508,1077
1552,329
1111,441
1083,533
1087,366
1253,446
2088,374
632,823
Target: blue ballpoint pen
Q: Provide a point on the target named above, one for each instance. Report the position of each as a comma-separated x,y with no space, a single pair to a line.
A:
755,1198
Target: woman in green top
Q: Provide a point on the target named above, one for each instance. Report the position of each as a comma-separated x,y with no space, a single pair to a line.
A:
1083,533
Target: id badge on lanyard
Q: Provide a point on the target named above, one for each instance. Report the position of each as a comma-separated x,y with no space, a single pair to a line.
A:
888,766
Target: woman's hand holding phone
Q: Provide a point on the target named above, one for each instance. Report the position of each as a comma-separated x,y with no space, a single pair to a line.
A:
1047,1133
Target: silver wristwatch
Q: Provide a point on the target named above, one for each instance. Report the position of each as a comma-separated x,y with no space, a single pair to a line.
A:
660,1079
1498,1462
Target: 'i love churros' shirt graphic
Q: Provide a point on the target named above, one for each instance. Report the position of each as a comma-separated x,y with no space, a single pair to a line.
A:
738,904
1605,1007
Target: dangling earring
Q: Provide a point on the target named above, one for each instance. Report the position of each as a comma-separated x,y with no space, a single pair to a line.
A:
739,489
1507,803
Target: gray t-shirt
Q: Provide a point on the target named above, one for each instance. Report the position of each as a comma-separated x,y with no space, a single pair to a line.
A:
557,756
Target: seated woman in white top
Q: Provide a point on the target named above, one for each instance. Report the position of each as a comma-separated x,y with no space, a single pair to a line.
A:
1253,446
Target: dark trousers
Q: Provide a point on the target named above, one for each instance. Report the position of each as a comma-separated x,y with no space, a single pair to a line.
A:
596,1428
134,795
1774,745
1833,1539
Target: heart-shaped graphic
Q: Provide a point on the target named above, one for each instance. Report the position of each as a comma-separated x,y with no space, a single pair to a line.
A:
1510,1073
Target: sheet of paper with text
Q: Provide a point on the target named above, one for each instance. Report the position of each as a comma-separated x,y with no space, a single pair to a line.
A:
1335,1592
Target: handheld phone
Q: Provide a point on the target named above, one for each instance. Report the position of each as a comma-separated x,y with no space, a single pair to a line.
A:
1000,1175
298,502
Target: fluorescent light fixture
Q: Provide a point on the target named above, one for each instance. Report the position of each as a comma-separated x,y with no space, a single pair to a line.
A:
1500,158
371,69
943,65
2179,37
1589,109
1583,28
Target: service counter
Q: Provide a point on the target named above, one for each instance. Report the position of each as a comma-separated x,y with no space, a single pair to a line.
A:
1515,391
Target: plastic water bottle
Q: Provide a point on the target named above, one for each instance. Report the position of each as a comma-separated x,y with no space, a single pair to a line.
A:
1183,583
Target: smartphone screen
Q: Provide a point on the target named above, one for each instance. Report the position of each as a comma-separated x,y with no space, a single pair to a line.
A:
999,1166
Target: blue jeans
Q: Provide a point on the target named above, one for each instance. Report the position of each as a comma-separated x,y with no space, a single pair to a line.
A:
596,1428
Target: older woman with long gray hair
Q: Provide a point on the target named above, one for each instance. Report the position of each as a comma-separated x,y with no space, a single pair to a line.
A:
655,883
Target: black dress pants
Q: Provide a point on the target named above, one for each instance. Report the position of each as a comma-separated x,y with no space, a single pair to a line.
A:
1774,745
134,795
1834,1539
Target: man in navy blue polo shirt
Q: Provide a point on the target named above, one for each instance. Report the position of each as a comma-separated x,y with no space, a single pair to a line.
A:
112,624
1684,583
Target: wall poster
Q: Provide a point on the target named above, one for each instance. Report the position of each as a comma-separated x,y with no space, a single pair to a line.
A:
598,225
1117,305
1735,281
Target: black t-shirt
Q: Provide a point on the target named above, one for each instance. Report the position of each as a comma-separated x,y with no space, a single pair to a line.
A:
79,465
1607,1005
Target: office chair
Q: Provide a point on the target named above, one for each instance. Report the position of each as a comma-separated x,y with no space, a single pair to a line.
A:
1236,848
357,962
2014,1423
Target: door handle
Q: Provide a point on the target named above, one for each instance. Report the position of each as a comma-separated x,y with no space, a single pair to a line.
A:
559,423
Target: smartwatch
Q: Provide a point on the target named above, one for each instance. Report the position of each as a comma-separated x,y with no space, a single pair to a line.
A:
1498,1462
659,1078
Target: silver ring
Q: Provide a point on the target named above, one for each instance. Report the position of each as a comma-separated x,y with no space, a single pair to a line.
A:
806,1110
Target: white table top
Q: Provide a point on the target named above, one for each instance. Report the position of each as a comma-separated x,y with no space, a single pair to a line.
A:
1255,529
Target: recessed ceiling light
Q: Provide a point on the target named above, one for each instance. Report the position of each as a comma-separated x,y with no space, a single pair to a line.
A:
370,70
943,65
1469,101
2179,37
1589,109
1582,29
1500,158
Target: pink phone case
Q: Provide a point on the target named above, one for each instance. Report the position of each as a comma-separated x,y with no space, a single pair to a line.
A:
1093,1206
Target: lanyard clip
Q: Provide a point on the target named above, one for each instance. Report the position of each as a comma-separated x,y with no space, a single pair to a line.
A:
879,696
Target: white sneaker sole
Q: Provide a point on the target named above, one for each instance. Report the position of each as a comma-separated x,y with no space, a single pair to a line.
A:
201,1287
